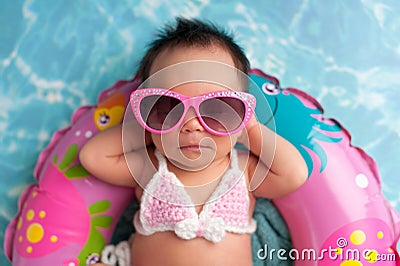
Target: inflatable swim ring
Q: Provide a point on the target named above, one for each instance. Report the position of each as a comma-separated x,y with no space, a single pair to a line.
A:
69,215
339,216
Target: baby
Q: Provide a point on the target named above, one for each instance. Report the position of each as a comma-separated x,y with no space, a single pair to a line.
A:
194,187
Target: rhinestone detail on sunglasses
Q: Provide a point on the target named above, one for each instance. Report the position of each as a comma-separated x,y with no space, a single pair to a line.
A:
247,99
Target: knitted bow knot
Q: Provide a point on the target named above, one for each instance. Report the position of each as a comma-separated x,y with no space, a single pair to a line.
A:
212,229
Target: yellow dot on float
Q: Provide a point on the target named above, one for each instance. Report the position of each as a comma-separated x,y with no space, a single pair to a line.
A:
20,239
371,256
357,237
30,215
29,249
19,224
351,263
34,194
53,239
35,233
380,234
338,251
42,214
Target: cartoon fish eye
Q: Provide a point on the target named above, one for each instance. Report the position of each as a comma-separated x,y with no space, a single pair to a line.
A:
104,119
270,88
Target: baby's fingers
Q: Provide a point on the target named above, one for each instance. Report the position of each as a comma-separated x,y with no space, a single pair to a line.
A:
252,122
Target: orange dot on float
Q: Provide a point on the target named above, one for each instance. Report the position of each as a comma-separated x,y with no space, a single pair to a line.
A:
35,233
19,224
42,214
29,249
30,215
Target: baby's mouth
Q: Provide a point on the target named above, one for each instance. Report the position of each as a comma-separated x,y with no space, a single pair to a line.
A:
193,147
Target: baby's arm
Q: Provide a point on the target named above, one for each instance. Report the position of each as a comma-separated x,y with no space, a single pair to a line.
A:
276,165
103,155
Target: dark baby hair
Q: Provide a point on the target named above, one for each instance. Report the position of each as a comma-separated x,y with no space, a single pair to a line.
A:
192,33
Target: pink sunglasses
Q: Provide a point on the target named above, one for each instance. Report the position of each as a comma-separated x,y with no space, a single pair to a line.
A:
221,113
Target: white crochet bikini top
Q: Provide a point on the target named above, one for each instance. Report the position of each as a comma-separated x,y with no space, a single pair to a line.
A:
166,206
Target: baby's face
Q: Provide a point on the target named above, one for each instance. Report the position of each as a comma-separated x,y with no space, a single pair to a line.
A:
191,146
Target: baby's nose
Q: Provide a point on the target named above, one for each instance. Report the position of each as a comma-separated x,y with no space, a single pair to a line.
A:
191,122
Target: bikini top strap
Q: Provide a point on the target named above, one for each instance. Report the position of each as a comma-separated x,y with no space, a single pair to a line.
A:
234,160
162,162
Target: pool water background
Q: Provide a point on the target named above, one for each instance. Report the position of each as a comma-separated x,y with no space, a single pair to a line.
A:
56,56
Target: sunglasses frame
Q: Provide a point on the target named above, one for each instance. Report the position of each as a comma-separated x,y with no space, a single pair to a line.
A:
247,99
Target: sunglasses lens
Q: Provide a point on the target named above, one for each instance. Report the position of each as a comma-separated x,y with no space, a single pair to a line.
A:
161,112
223,114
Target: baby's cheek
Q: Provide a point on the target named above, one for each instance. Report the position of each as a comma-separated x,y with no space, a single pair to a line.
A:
156,140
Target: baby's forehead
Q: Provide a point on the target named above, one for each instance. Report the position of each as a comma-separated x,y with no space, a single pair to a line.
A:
171,55
199,88
198,71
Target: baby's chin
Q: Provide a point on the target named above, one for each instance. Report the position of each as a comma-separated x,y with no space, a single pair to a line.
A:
192,160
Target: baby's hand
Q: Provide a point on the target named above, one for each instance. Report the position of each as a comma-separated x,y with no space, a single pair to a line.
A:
252,123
